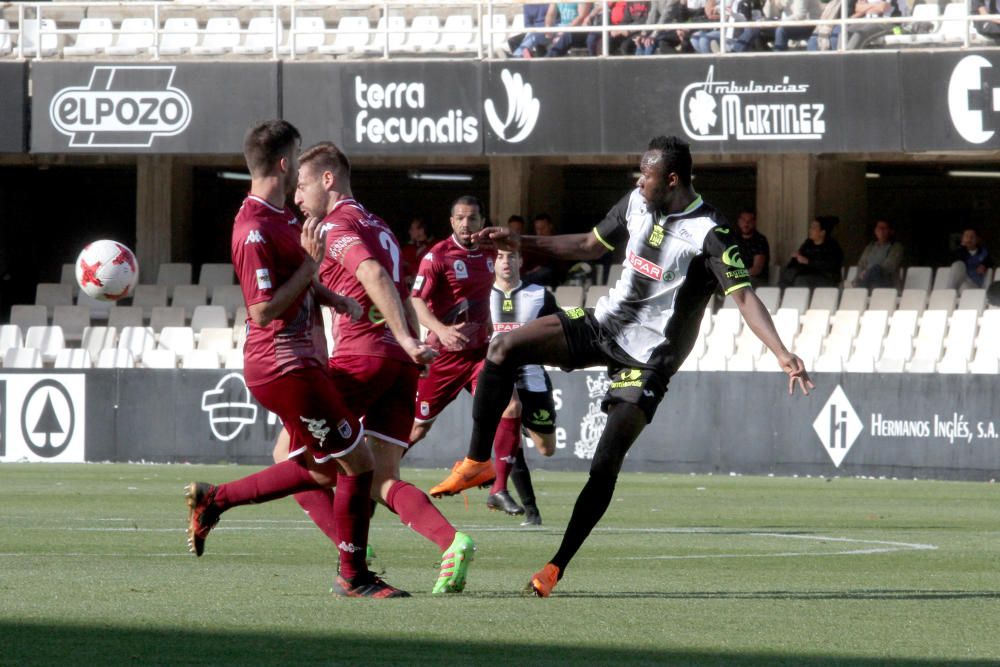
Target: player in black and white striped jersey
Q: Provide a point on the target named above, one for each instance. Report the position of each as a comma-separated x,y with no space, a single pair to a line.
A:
513,304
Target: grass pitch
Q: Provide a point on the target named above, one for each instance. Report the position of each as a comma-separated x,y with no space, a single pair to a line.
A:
682,570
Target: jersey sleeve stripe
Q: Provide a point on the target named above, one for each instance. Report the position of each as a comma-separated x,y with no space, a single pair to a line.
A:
603,242
736,287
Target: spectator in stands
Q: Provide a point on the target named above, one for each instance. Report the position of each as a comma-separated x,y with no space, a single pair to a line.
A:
792,10
534,43
754,248
972,260
649,42
989,28
569,14
421,240
620,42
819,261
701,40
827,37
515,223
881,259
541,269
737,39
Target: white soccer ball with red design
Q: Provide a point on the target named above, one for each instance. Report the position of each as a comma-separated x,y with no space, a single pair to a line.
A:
107,271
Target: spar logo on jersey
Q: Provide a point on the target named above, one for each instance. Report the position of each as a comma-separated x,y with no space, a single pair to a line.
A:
838,426
973,103
644,266
504,327
750,111
121,106
522,109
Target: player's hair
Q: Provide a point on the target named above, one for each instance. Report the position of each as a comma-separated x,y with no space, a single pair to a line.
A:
266,143
327,157
676,156
467,200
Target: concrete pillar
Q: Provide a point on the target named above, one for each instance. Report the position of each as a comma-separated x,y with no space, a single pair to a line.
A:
842,190
785,201
509,177
163,207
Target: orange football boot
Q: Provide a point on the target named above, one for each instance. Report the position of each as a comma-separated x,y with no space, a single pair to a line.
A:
543,581
466,474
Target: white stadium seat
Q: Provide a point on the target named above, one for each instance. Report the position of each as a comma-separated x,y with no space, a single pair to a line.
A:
854,298
162,359
11,336
205,359
219,341
234,359
125,316
259,41
883,298
53,294
22,357
770,297
135,37
176,339
134,340
352,36
913,299
222,34
150,296
309,36
919,277
209,317
179,36
93,36
50,41
924,12
230,297
396,31
48,340
189,297
424,34
95,339
117,358
6,39
797,298
73,320
825,298
166,316
459,35
73,358
972,299
99,310
951,28
941,299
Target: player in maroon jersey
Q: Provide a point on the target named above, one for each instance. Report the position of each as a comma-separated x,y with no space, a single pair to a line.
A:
276,261
451,295
375,361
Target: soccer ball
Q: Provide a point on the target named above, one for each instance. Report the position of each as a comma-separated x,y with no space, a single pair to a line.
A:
107,271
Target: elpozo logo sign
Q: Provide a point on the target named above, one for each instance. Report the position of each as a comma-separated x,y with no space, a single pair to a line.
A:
729,110
121,107
973,103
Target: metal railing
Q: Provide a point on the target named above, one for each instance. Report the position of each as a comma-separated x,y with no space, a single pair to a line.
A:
34,35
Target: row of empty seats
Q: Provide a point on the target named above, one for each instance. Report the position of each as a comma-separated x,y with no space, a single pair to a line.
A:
74,319
221,35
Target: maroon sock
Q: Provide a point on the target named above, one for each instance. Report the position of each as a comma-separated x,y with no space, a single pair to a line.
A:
318,505
277,481
417,511
504,447
352,514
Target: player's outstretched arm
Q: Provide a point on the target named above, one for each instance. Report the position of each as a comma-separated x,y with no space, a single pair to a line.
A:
760,322
560,246
382,291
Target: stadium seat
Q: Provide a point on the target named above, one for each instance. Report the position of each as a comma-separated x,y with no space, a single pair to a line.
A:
919,277
159,358
890,365
942,299
459,35
871,331
807,345
845,322
614,274
816,322
93,36
838,345
259,41
951,28
352,36
913,299
786,321
6,41
117,358
95,339
234,359
205,359
985,364
22,357
67,276
73,320
219,340
53,294
48,340
172,274
960,340
713,361
125,316
222,34
99,310
854,298
241,317
424,34
73,358
825,298
883,298
189,297
11,336
594,293
952,365
727,321
495,34
740,363
229,297
178,339
973,299
28,316
309,35
569,296
179,36
135,37
748,345
924,12
150,296
134,340
50,40
797,298
860,364
209,317
828,364
768,363
770,297
396,27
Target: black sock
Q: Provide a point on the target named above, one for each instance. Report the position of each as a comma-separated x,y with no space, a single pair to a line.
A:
521,476
493,391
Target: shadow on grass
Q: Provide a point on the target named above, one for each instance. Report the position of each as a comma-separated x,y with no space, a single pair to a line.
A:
38,644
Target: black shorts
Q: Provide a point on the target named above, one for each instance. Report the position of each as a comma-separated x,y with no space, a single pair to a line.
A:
632,381
538,409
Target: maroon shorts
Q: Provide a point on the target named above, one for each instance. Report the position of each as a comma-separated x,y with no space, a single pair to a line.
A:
380,391
449,374
314,414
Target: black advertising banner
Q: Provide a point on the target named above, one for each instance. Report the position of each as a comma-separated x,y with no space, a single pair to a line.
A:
542,107
13,110
736,104
387,108
951,101
149,108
